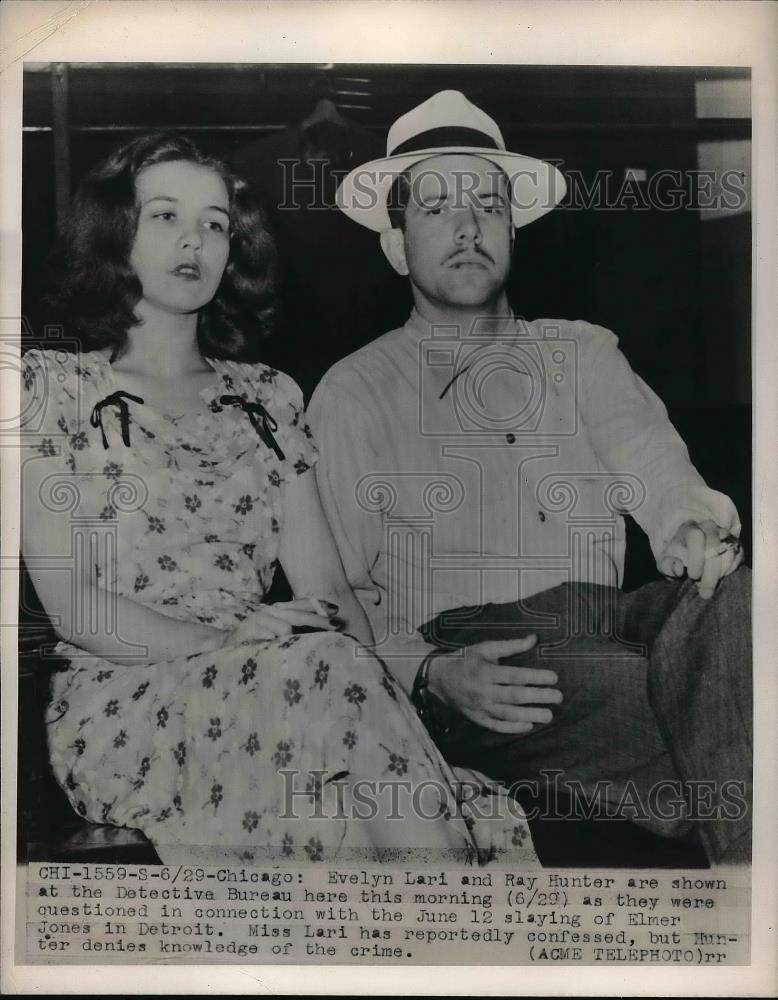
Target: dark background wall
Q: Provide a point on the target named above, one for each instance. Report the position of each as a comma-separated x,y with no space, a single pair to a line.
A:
673,284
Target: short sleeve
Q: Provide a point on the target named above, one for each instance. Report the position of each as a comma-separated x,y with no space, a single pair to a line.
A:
284,402
48,416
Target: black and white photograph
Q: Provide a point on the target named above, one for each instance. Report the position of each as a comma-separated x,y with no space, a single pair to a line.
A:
389,532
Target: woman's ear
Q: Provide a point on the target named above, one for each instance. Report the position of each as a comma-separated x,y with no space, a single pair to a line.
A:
393,246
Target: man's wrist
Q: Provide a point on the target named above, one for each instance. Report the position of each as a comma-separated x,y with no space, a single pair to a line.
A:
428,676
434,673
420,691
427,696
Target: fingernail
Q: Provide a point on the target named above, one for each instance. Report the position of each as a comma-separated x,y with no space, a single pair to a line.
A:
317,608
324,608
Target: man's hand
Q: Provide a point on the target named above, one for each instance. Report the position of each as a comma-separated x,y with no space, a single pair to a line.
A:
705,551
494,696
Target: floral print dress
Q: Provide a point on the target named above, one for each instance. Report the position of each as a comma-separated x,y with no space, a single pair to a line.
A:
257,752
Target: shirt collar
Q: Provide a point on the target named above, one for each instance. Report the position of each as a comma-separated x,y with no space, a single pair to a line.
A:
419,328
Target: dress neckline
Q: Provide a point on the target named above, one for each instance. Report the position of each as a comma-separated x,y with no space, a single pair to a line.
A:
208,393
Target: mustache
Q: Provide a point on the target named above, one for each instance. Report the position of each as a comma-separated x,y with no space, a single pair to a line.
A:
473,251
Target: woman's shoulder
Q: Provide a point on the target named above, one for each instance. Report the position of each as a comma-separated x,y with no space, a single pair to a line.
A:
282,400
259,380
60,385
61,367
59,389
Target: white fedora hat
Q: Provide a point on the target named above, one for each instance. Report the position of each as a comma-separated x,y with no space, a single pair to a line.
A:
448,123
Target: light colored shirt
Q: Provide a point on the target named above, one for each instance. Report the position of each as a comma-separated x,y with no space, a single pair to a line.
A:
508,480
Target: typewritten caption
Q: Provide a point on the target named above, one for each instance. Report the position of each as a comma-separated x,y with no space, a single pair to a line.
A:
179,914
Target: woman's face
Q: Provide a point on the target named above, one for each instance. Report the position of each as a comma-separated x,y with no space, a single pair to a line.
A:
182,242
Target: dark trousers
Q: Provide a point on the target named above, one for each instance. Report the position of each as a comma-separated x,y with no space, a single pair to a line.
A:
656,723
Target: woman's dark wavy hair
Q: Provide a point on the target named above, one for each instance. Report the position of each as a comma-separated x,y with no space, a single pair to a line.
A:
95,289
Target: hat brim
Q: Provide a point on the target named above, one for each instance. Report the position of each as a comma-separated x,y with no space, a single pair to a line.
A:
536,186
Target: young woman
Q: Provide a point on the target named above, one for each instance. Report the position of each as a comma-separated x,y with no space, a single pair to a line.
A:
168,471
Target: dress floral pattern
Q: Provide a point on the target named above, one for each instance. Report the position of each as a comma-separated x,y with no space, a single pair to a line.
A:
252,753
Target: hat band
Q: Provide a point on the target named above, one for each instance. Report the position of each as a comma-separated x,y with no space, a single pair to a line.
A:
443,137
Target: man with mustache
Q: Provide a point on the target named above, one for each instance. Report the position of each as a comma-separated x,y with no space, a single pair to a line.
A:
475,467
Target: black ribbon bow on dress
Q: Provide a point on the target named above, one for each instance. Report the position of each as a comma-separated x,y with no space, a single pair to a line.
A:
260,419
115,399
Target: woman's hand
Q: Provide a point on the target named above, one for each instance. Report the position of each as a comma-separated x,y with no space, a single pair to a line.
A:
273,621
311,561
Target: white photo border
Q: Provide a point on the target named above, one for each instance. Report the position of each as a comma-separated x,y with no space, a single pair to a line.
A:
612,32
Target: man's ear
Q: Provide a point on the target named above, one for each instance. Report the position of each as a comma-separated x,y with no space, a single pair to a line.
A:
393,246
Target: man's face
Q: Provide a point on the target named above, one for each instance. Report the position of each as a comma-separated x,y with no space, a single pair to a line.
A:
456,245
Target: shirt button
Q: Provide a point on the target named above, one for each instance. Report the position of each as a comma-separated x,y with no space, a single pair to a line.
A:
541,515
510,438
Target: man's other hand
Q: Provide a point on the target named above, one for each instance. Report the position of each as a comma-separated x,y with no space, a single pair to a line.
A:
503,698
703,550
